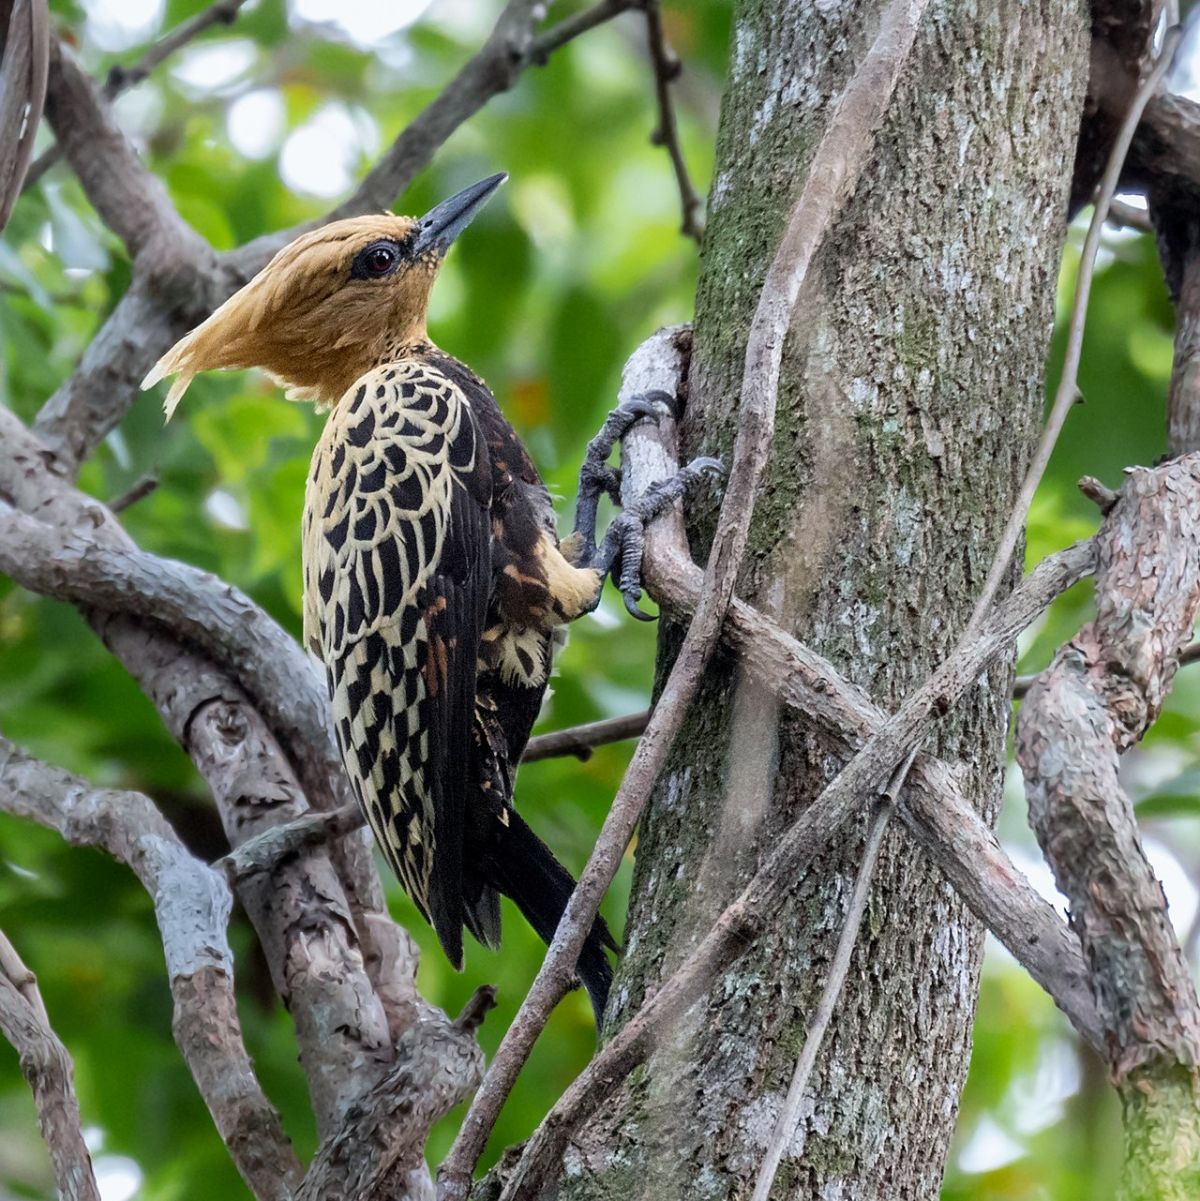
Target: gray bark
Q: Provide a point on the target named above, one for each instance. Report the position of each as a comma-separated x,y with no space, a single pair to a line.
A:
910,395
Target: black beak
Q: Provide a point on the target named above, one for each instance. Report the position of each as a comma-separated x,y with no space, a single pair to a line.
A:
441,225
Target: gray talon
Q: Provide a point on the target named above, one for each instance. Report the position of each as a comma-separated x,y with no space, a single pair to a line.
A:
619,555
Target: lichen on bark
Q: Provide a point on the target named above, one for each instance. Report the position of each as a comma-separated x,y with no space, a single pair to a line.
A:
910,395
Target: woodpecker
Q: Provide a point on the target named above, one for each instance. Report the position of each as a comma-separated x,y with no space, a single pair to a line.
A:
434,579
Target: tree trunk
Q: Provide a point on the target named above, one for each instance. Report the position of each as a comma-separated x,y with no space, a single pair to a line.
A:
910,397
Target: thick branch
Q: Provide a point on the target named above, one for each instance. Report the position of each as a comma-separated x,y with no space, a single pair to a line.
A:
77,551
379,1153
1099,696
191,904
309,930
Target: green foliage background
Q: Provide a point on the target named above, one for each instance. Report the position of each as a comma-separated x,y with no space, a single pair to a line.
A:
574,263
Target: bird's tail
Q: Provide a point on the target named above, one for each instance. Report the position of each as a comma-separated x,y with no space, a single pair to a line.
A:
522,867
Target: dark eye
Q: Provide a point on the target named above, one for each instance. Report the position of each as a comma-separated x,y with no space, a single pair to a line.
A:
376,261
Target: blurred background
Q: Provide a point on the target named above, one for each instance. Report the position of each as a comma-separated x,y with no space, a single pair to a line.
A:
267,123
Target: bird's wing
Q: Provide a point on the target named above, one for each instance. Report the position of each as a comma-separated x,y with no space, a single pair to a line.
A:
397,562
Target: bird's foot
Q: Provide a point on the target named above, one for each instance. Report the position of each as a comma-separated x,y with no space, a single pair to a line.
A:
596,477
620,554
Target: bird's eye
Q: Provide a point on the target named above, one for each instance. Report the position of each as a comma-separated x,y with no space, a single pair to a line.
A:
378,260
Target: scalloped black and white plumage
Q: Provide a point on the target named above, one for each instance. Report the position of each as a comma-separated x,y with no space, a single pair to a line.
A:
434,579
430,560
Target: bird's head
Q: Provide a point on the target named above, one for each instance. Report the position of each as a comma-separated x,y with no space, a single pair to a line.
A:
329,305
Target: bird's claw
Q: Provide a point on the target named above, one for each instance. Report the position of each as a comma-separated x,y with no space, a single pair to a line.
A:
645,406
599,479
625,540
596,477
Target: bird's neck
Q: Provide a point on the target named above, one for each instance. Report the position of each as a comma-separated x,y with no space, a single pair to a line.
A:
413,345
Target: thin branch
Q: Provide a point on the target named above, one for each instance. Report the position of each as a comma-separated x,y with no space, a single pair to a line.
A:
264,851
667,68
1068,386
47,1068
138,491
740,924
581,741
570,28
121,79
835,979
191,905
26,52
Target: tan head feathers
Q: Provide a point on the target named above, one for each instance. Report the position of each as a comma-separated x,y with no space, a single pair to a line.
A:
312,318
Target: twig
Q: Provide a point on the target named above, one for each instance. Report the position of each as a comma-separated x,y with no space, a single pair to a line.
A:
1099,493
833,173
581,741
121,79
191,905
740,924
1068,386
264,851
138,491
571,27
839,968
48,1070
1129,216
667,68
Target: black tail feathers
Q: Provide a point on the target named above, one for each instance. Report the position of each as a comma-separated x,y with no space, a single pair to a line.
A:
522,867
